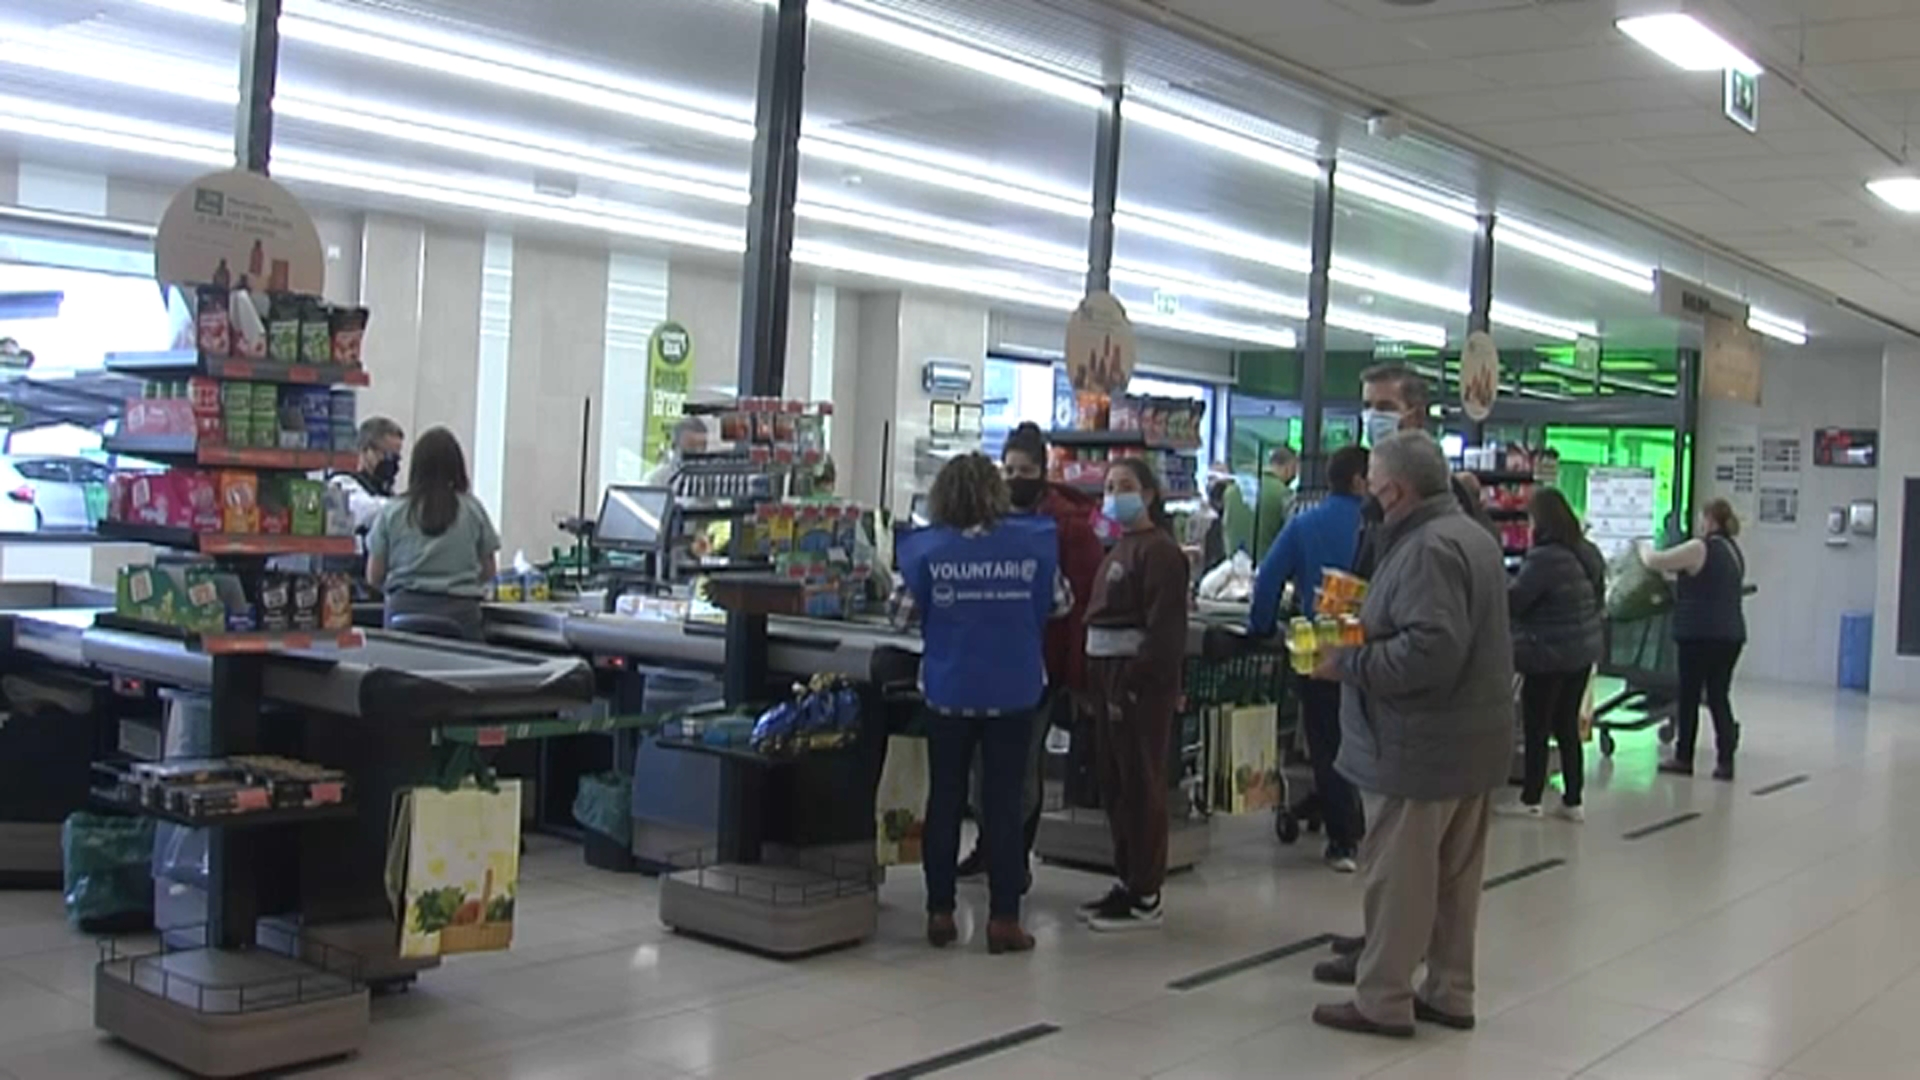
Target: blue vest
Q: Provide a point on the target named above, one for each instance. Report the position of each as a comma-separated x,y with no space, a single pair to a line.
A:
984,602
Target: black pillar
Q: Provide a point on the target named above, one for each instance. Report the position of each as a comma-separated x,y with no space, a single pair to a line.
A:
1106,193
1313,359
259,68
776,173
767,275
1480,300
1685,440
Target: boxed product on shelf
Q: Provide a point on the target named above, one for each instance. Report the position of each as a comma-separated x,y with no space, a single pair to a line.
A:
188,596
1163,421
239,501
223,786
174,499
246,322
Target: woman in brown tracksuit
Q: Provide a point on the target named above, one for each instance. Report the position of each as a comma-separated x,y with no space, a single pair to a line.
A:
1136,649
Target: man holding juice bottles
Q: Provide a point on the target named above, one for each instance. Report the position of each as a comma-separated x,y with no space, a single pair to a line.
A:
1318,540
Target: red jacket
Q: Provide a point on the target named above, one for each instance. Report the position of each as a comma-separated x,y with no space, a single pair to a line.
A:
1080,557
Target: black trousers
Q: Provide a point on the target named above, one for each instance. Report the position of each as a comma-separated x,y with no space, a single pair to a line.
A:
1339,802
1002,742
1550,708
1707,667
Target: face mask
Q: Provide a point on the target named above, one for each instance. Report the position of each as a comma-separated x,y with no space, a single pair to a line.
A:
388,470
1025,491
1125,507
1371,510
1379,425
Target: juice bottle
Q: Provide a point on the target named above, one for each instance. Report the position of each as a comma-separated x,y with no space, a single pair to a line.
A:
1326,632
1302,645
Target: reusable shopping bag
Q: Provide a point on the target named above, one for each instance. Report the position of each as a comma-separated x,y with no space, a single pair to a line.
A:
1253,738
900,804
453,868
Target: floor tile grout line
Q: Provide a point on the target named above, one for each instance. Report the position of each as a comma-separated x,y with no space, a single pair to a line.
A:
974,1051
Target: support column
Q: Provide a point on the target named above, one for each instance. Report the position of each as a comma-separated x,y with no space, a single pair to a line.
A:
1106,193
1480,300
1313,360
766,278
768,272
1686,437
259,70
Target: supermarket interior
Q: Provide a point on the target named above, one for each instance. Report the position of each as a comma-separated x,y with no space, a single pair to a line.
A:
678,310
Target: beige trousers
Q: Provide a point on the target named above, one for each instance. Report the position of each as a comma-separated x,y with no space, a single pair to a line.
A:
1422,863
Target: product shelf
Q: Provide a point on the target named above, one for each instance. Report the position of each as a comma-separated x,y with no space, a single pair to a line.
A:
220,644
228,543
246,819
1501,476
186,363
1078,437
184,450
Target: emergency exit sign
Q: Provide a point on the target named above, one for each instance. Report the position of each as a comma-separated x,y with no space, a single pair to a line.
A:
1742,99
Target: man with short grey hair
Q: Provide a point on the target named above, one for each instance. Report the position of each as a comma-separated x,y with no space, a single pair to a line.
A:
1426,726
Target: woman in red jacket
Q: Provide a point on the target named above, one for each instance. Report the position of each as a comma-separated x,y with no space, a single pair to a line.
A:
1023,460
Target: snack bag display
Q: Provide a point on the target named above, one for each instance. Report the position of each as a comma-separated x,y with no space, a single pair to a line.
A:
240,501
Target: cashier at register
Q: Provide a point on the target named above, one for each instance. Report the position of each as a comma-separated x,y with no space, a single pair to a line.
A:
689,437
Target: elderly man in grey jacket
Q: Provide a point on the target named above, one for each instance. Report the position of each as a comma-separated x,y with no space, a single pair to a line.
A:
1426,727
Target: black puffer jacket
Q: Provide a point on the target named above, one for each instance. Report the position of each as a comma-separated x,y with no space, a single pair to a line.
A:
1557,602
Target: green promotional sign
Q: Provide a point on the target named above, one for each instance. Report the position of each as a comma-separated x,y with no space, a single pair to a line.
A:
669,379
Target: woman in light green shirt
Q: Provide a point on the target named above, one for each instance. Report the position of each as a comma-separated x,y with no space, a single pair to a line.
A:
433,550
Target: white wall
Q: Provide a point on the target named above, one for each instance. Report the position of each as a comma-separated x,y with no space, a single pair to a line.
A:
1899,386
1794,620
705,299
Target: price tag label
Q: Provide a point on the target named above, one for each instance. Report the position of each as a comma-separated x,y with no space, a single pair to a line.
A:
492,736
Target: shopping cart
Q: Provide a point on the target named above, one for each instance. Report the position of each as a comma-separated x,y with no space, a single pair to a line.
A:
1233,669
1641,654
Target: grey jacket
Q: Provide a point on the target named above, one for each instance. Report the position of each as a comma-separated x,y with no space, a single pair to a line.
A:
1427,707
1557,602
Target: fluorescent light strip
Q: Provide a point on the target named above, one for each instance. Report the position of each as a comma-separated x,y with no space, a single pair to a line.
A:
344,29
1573,254
1543,325
1687,43
892,31
1777,327
1900,192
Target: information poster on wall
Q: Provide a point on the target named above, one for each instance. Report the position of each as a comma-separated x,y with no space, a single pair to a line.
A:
1731,361
669,379
1620,508
1736,466
1781,460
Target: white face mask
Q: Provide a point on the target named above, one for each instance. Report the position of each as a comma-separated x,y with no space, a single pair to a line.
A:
1379,424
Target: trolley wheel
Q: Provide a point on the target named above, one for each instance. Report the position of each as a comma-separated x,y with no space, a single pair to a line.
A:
1606,743
1286,827
1667,732
1313,823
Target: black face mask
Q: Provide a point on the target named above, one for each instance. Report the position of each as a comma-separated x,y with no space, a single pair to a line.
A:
387,471
1371,510
1026,491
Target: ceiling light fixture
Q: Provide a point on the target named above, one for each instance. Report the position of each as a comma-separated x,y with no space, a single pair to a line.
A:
1900,192
1256,150
1542,325
1382,188
1778,327
1687,43
1572,254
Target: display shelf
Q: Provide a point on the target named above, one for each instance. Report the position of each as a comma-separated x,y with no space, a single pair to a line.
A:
1078,437
228,543
245,819
181,448
226,644
186,363
1501,476
692,505
502,734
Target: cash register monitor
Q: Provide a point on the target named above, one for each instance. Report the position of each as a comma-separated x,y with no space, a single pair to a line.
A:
633,518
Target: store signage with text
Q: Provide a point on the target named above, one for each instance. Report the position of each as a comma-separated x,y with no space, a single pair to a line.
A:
236,225
669,378
1683,299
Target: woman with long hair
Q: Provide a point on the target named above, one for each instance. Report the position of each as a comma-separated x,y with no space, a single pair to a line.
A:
433,550
1709,630
1136,651
1556,603
984,583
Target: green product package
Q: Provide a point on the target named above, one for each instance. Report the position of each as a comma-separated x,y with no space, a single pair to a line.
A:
283,328
308,500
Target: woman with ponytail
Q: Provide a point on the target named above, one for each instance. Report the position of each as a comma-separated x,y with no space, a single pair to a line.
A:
1136,650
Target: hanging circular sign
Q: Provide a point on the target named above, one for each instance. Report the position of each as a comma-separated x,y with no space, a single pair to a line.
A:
1101,348
1479,375
236,224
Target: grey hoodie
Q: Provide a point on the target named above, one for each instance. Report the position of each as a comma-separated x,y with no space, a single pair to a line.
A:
1427,709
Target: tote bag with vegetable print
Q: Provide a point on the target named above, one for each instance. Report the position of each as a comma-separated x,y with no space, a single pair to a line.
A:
453,868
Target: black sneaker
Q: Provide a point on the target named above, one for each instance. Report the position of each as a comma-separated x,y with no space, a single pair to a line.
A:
1138,914
1347,946
1723,771
973,867
1339,971
1676,767
1117,900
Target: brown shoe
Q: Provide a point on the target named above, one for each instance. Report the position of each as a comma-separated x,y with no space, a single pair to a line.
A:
1339,971
941,931
1006,936
1348,1017
1427,1014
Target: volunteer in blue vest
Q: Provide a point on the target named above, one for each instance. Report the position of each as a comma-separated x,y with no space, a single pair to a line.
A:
1324,537
984,583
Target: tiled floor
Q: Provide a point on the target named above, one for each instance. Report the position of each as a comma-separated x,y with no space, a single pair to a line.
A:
1774,936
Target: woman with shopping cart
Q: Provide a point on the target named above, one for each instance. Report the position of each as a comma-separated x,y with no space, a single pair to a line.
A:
1709,630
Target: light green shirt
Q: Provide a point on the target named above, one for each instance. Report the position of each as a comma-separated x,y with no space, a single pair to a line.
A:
444,565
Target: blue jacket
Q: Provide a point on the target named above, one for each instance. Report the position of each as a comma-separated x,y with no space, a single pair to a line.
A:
1327,535
984,601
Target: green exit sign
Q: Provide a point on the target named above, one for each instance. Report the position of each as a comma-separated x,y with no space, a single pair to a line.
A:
1742,99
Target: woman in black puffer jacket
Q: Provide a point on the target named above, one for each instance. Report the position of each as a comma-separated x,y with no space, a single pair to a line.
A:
1557,602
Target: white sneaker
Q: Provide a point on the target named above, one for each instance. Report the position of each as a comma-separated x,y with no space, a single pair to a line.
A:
1575,814
1136,915
1343,864
1520,810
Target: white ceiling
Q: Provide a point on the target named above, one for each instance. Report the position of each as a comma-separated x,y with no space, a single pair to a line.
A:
1554,83
1555,65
